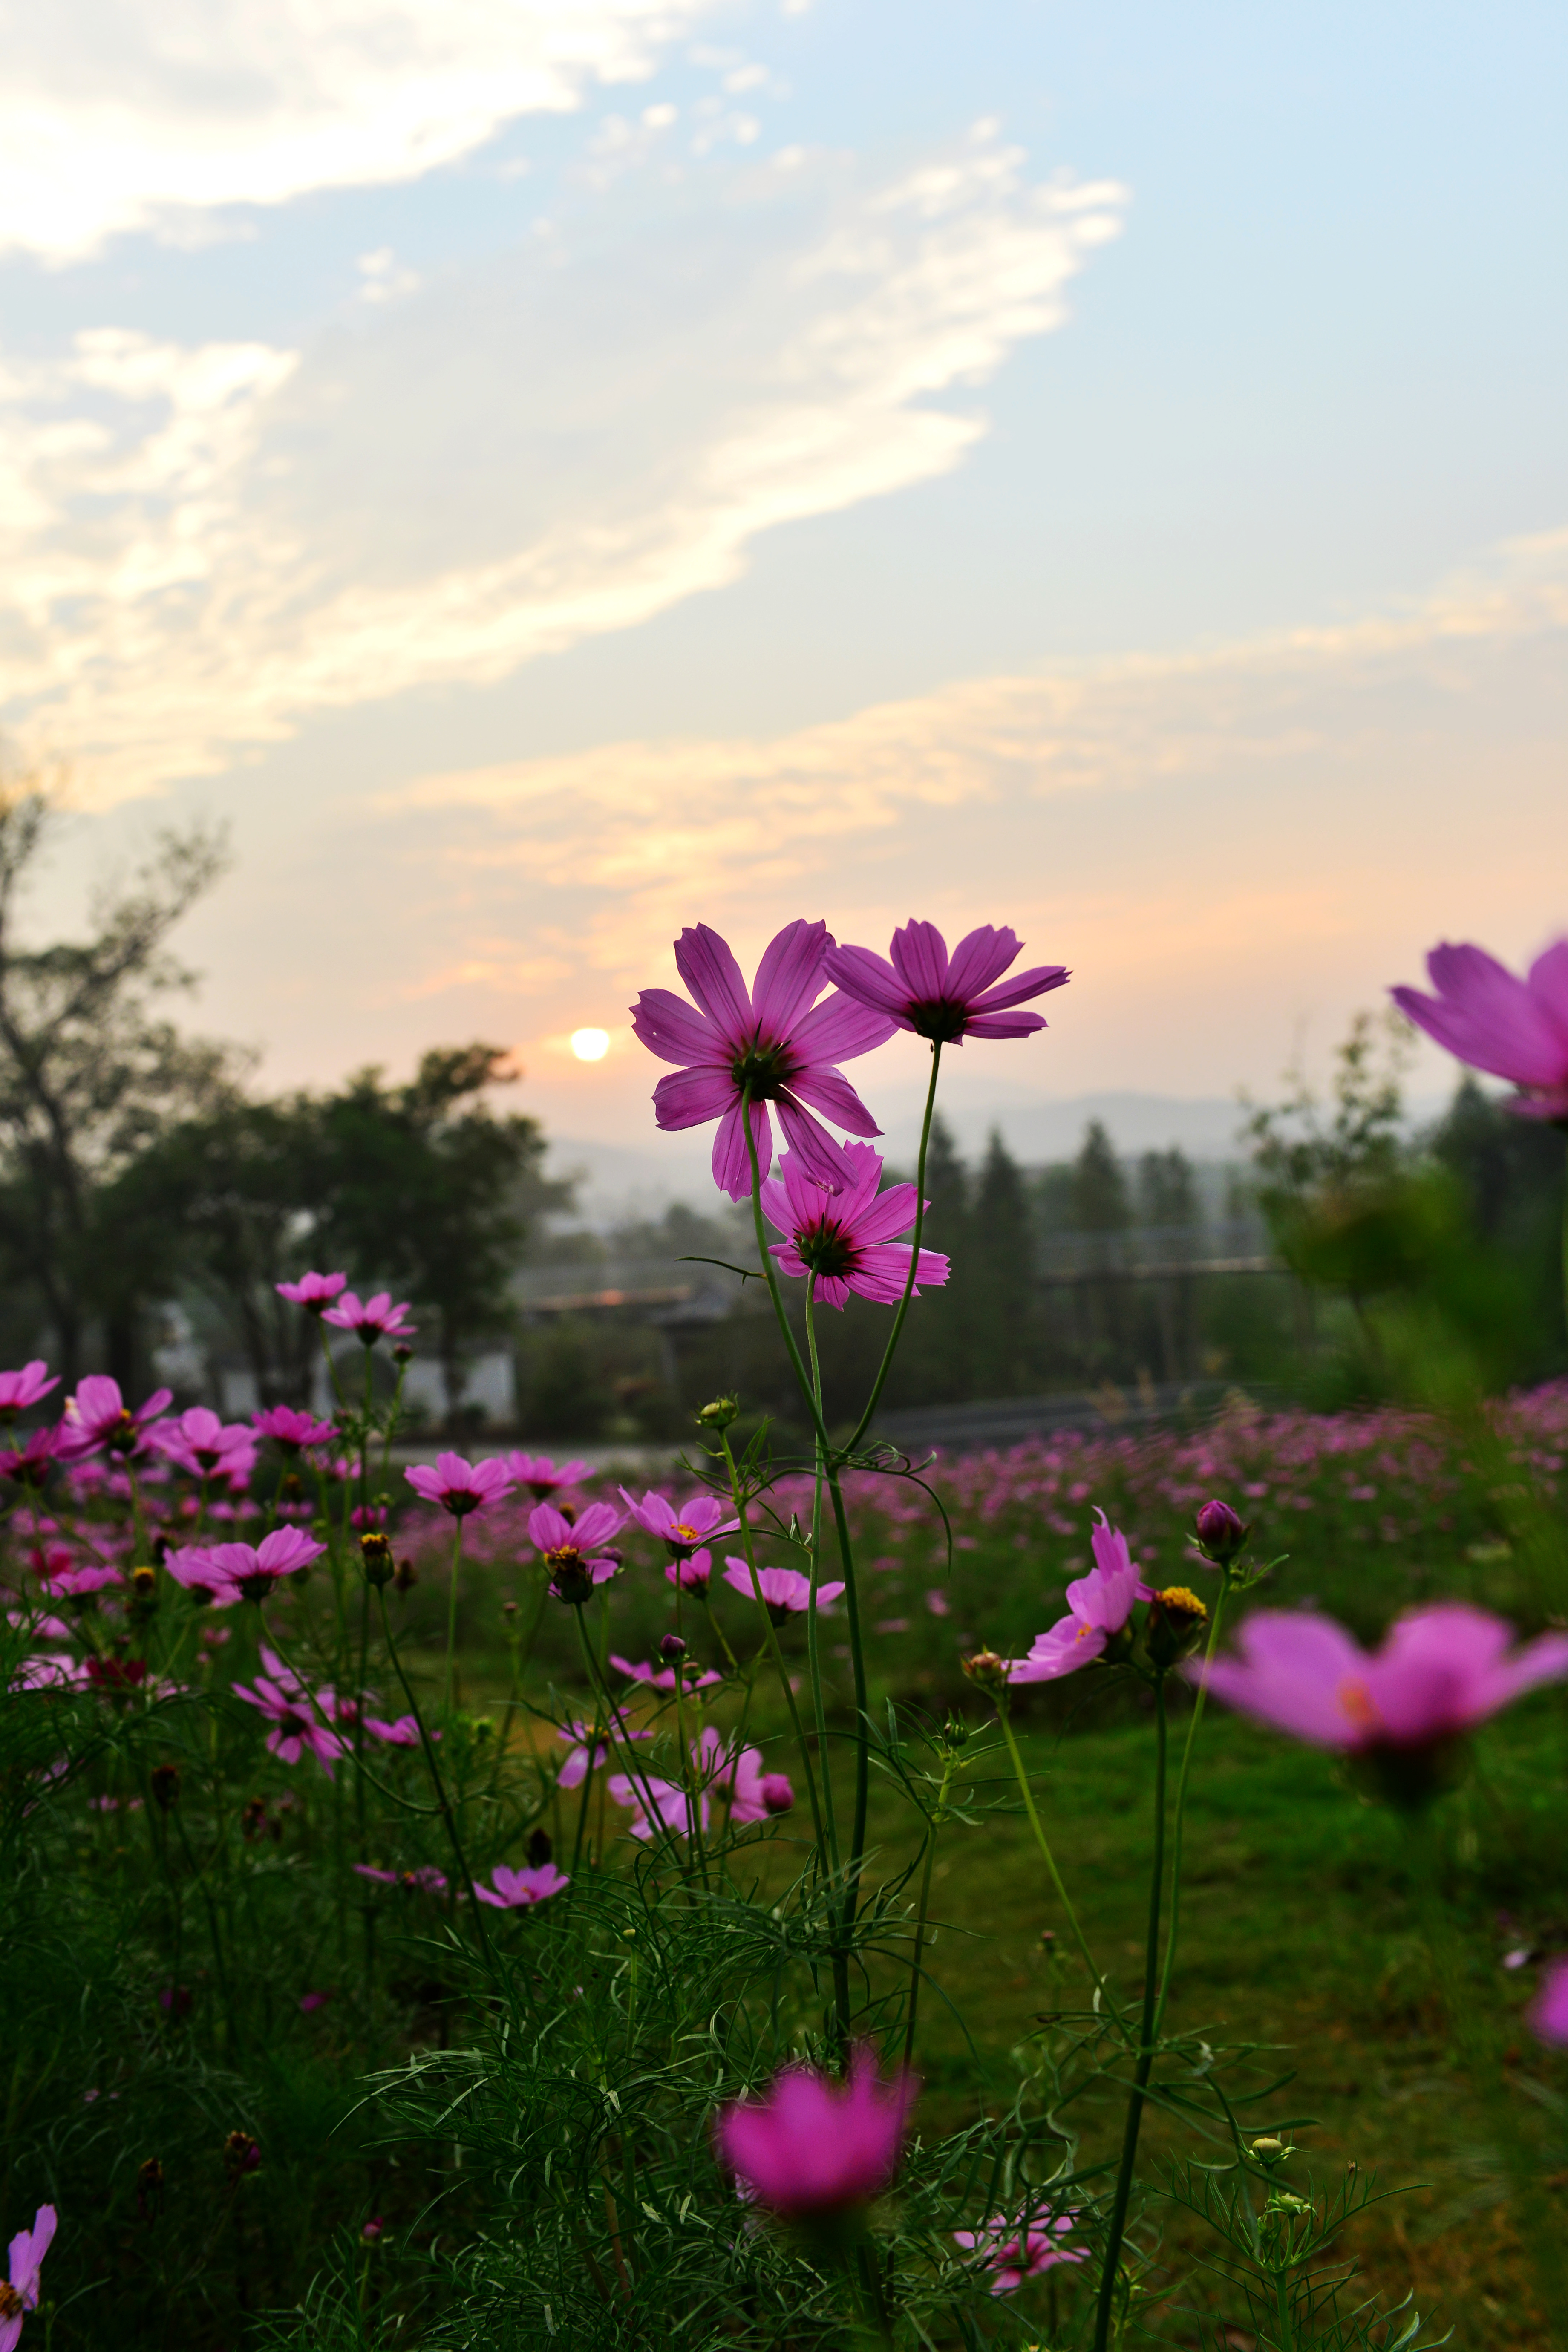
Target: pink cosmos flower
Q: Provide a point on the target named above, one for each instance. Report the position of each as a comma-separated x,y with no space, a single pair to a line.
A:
460,1486
251,1570
775,1041
313,1292
947,998
371,1319
661,1679
426,1880
296,1723
46,1673
1439,1673
1099,1603
813,2146
1016,2252
672,1804
842,1232
1515,1029
97,1417
313,2000
544,1478
291,1429
30,1464
1549,2012
694,1575
77,1577
684,1530
199,1443
192,1566
580,1762
574,1548
404,1733
20,1390
28,2248
786,1592
520,1890
737,1776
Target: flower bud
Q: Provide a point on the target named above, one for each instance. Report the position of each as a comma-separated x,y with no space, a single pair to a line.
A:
401,1353
1268,2150
777,1792
1222,1534
372,2229
407,1576
540,1850
1175,1624
671,1648
143,1583
720,1414
986,1669
955,1731
164,1782
376,1554
240,2153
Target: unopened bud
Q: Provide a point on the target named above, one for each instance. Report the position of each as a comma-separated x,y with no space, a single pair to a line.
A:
407,1576
720,1414
508,1610
164,1782
777,1792
143,1583
375,1555
955,1731
1221,1534
401,1353
671,1648
540,1849
986,1669
240,2153
1268,2150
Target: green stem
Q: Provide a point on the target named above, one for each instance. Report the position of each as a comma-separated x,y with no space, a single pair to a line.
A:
1282,2304
1063,1897
933,1827
813,1621
748,1546
1181,1813
874,1400
862,1702
452,1612
1135,2097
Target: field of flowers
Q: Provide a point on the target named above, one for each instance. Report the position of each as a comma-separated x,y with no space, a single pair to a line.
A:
801,1903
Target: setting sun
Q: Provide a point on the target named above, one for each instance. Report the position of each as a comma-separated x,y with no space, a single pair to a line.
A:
590,1044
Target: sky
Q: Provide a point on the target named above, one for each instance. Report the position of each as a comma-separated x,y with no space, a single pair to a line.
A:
545,472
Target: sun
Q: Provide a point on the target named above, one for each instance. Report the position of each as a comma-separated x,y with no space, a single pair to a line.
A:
590,1044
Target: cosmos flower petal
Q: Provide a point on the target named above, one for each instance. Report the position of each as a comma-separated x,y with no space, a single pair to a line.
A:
732,1161
707,964
789,977
920,958
840,1029
831,1092
691,1097
980,958
675,1030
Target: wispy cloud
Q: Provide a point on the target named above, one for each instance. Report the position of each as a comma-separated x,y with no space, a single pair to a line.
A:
128,114
204,546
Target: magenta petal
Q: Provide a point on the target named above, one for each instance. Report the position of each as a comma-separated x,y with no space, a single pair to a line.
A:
691,1097
838,1029
1022,986
831,1092
817,1152
1548,985
789,977
871,979
978,960
675,1030
920,958
1002,1024
891,1213
708,966
731,1163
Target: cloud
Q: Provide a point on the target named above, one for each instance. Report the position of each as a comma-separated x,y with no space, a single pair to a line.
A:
204,546
127,114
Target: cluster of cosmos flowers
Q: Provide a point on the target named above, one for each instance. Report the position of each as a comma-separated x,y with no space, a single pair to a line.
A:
811,2147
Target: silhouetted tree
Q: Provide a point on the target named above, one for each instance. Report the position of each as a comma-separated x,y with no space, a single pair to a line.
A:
1100,1205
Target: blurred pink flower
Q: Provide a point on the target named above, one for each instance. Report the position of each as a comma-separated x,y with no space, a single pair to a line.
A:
1549,2011
371,1319
1440,1671
841,1230
296,1723
426,1880
313,2000
947,998
786,1592
291,1429
404,1733
460,1486
544,1478
78,1578
1514,1029
813,2146
200,1443
775,1041
28,2248
672,1804
251,1570
97,1416
192,1566
694,1574
737,1776
30,1465
657,1678
1101,1604
696,1522
20,1390
574,1548
519,1890
1016,2252
938,1602
312,1291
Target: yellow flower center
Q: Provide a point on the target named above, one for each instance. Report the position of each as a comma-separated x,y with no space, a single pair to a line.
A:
1181,1600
